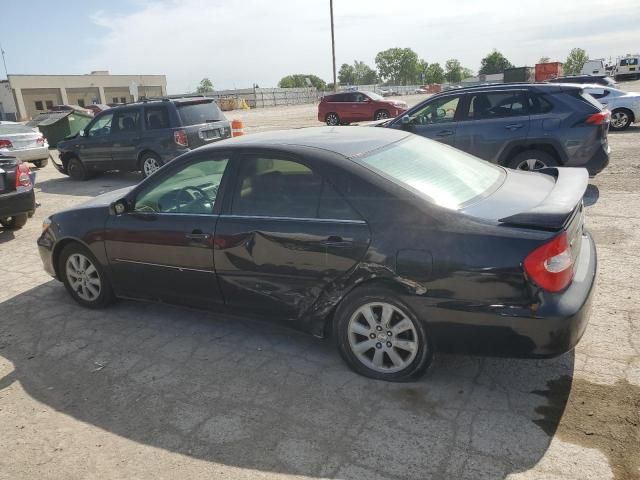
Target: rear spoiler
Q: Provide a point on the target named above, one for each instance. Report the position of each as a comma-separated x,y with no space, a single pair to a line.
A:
556,209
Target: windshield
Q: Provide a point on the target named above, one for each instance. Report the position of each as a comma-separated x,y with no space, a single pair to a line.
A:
448,177
373,96
198,113
9,129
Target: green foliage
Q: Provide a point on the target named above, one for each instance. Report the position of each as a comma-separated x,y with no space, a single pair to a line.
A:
298,80
434,74
346,74
466,73
575,61
544,60
398,66
495,62
363,74
453,70
204,86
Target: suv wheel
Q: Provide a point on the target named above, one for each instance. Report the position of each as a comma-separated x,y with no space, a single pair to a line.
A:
332,119
379,336
620,119
381,115
149,164
532,160
83,277
17,221
76,169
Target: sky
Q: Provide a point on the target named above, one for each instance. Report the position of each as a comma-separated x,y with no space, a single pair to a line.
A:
239,43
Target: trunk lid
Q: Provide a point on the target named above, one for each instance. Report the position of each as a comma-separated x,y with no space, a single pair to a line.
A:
203,122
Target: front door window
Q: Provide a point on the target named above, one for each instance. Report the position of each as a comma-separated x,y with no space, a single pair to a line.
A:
442,110
102,126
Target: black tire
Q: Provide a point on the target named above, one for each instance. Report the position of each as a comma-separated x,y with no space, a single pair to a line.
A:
149,163
621,119
532,160
76,169
381,115
105,293
41,163
15,222
332,119
363,297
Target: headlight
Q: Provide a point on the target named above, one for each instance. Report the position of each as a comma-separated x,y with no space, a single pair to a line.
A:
46,223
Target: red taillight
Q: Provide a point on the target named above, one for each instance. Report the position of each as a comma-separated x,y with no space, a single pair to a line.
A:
5,144
180,137
550,265
23,178
40,141
599,118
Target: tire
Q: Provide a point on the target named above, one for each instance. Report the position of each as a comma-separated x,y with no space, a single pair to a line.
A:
149,164
15,222
41,163
76,169
620,119
381,115
382,359
91,287
532,160
332,119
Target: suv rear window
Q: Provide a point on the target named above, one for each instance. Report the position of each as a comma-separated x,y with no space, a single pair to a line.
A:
198,113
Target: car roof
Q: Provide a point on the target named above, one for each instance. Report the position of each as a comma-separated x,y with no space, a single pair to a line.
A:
550,87
347,141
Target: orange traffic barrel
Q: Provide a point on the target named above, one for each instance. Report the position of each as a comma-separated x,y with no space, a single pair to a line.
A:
237,128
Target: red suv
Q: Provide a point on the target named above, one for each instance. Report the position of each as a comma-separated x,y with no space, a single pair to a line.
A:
347,107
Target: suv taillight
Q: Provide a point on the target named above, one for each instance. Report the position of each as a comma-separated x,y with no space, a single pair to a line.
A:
599,118
40,141
180,137
550,265
23,178
5,144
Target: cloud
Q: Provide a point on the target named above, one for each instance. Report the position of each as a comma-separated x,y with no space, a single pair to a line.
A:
238,43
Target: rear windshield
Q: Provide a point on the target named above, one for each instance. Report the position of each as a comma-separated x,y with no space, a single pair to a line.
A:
9,129
446,176
197,113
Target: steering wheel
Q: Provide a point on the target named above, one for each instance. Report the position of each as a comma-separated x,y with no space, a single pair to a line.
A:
192,194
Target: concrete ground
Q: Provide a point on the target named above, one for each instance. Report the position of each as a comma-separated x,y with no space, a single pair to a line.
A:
151,391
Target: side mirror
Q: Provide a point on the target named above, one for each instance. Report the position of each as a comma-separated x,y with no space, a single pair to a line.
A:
406,120
441,113
81,133
118,207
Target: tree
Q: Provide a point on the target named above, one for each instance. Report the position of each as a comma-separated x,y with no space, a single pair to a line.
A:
453,70
544,60
346,74
495,62
434,74
466,72
299,80
363,74
398,65
575,61
204,86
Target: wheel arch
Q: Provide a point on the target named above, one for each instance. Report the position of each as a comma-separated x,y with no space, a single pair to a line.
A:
546,146
628,110
145,151
57,249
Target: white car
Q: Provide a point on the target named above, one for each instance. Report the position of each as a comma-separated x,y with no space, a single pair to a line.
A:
23,143
624,106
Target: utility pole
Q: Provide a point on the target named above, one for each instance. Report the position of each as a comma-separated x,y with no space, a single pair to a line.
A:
333,48
4,62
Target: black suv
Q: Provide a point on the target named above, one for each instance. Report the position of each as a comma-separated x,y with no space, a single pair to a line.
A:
525,126
142,136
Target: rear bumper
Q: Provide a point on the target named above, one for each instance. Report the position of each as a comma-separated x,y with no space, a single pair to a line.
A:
17,203
28,154
549,327
598,162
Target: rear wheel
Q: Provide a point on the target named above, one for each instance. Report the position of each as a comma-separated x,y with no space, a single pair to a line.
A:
332,119
41,163
17,221
76,169
150,163
620,119
532,160
84,277
380,337
381,115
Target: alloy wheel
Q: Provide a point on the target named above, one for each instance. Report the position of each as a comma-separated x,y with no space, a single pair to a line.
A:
83,277
382,115
150,165
620,120
332,119
383,337
531,164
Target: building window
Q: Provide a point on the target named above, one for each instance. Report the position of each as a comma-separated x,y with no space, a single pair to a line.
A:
115,99
39,105
49,104
81,102
123,99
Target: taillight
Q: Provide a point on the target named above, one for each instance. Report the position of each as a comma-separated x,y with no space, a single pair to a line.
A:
550,265
599,118
5,144
40,141
23,178
180,137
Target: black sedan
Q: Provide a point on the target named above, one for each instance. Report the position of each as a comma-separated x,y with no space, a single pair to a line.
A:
395,245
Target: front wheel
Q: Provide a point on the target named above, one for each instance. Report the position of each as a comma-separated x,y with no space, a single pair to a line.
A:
620,119
84,277
15,222
531,160
381,115
332,119
77,170
380,337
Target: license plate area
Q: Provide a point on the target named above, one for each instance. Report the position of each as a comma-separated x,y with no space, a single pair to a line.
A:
210,134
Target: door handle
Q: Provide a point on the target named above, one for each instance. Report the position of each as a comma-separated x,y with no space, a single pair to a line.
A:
336,241
514,126
198,235
444,133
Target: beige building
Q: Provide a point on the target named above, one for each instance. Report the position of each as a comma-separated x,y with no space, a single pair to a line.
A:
33,94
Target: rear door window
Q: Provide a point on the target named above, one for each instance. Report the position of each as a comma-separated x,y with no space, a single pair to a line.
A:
539,105
486,105
126,121
199,113
156,118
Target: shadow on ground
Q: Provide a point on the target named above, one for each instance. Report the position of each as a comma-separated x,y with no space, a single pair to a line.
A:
253,395
103,183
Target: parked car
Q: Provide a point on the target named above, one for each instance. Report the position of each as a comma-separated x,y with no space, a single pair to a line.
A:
624,106
524,126
98,107
590,79
17,200
24,143
346,107
387,92
142,136
395,245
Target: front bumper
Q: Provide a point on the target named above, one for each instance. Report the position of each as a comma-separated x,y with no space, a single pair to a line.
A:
27,154
17,203
550,327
